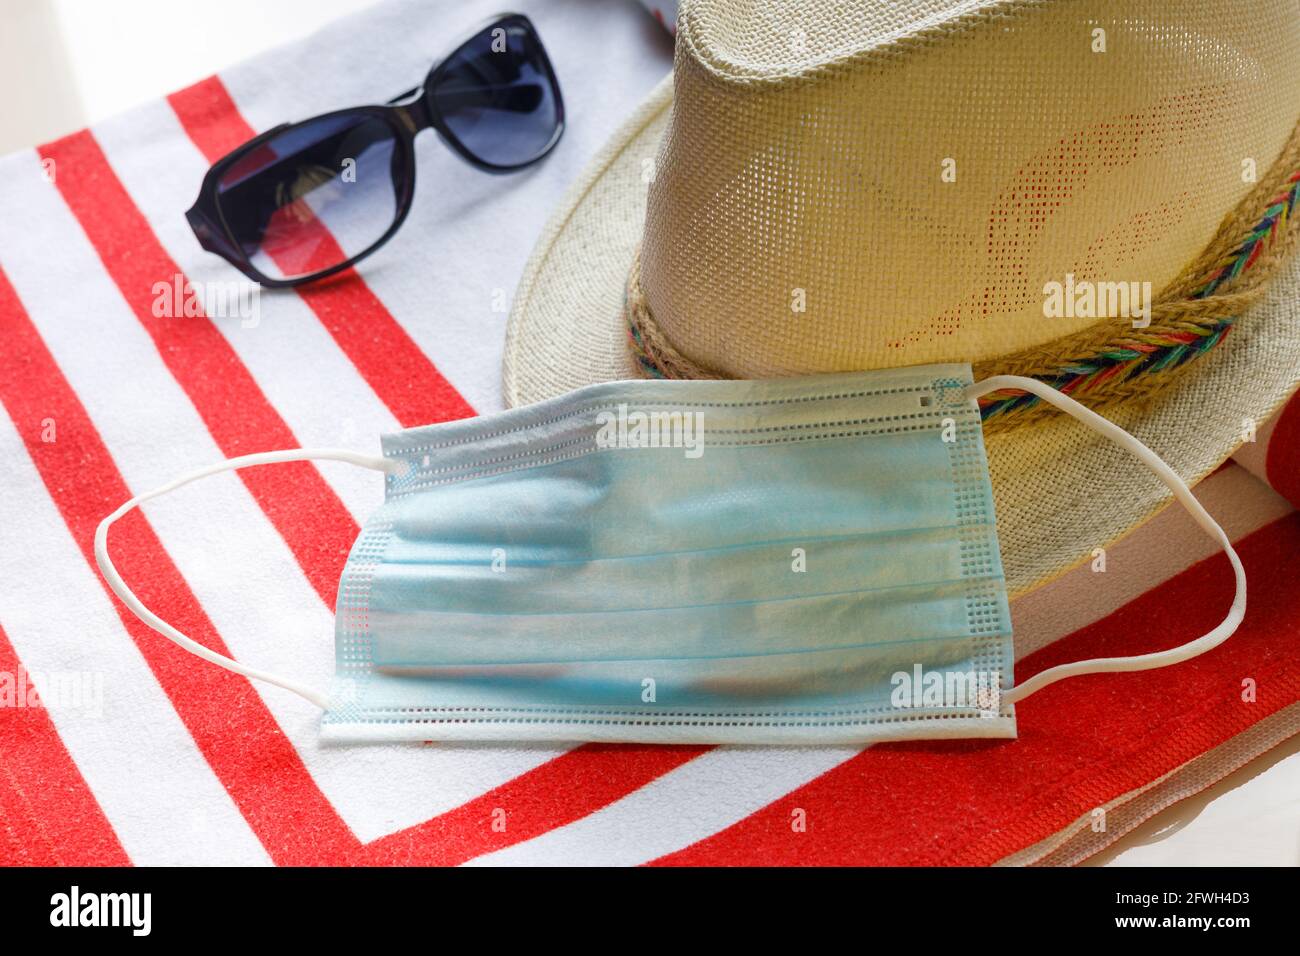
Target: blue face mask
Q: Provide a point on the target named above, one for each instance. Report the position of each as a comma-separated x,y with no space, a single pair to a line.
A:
809,560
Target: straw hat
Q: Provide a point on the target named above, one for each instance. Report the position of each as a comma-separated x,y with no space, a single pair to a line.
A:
857,185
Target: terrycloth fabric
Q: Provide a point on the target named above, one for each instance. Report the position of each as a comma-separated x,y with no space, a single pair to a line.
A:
148,755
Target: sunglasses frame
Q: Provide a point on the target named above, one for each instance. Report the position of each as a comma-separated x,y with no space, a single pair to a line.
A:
407,115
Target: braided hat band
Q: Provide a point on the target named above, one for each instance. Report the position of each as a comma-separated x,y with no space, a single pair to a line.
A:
1103,363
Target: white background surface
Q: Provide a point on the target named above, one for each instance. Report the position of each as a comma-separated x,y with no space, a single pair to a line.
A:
65,64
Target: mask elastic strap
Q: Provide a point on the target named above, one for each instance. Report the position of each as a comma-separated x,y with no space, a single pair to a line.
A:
1102,426
137,607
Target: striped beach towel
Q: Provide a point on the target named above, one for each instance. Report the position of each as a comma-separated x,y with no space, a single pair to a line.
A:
116,747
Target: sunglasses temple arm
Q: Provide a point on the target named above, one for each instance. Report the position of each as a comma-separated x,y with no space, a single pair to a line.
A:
404,96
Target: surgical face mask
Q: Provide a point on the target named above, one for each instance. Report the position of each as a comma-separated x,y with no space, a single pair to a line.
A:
810,560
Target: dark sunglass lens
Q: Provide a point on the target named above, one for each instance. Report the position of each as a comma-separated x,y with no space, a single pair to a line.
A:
314,195
497,96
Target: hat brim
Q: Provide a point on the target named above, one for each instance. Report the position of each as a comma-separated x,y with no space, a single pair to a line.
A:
1060,490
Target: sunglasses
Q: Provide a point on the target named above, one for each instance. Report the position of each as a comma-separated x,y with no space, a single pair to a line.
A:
306,200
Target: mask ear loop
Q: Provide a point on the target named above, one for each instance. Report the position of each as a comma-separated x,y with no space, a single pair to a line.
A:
118,586
1169,477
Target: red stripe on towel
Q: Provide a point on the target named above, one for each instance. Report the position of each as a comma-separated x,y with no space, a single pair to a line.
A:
50,816
557,793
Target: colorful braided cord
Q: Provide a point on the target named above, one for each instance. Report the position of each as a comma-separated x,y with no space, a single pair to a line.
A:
1140,354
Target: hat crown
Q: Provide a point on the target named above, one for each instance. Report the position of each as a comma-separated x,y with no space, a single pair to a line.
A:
867,185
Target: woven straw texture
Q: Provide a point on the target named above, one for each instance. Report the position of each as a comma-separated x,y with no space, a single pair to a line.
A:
802,158
794,163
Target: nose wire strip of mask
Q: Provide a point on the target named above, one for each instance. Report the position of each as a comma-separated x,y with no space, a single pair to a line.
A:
137,607
1175,484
